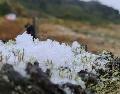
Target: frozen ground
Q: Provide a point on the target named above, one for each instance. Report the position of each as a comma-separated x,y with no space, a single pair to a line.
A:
64,61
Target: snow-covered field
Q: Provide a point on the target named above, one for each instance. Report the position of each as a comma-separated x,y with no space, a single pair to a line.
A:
64,61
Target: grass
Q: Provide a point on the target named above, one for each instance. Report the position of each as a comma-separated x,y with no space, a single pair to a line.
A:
97,38
2,1
10,29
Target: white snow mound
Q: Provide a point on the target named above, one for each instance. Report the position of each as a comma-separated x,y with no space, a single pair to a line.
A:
50,55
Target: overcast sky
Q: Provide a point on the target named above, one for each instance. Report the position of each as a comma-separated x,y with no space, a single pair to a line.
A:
112,3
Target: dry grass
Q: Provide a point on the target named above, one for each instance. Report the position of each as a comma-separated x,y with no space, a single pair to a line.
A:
10,29
96,37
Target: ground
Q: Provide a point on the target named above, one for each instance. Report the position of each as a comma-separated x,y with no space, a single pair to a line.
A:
97,38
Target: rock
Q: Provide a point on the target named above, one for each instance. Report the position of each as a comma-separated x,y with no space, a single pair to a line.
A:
5,87
116,63
88,77
11,82
73,89
82,74
12,75
92,79
41,79
48,72
33,70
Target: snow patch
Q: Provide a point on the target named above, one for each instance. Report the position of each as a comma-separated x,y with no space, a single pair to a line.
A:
64,61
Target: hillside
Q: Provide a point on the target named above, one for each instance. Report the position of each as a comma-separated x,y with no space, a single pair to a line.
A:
92,12
93,31
77,48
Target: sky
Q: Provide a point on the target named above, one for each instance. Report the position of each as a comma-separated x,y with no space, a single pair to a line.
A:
113,3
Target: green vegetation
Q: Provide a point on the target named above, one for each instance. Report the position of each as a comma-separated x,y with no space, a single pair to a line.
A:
109,79
4,8
91,12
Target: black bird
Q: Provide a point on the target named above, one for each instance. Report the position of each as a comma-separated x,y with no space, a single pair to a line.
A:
30,30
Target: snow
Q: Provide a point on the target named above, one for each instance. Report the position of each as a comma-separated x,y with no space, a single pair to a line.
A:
11,17
63,60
